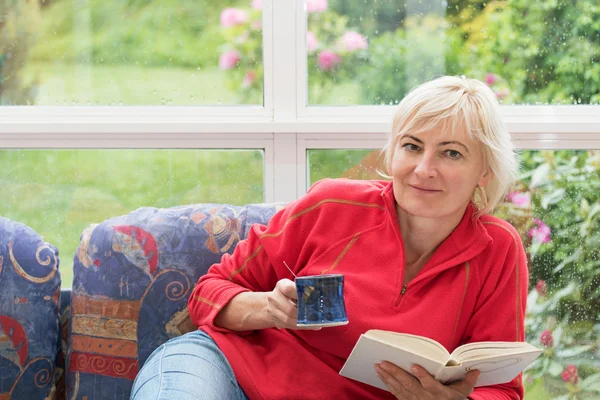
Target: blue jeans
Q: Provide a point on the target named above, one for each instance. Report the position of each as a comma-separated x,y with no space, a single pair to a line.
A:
187,367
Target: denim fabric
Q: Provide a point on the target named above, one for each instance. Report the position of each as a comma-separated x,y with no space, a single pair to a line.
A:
188,367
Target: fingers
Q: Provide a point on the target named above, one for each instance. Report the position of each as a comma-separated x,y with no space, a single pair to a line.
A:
399,382
466,386
427,381
282,310
421,385
287,288
281,306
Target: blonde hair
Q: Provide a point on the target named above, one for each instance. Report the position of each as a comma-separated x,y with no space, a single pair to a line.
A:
460,103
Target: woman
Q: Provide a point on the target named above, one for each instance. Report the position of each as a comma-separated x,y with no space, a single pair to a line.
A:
419,255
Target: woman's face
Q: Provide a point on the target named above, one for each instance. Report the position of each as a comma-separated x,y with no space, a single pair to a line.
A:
435,173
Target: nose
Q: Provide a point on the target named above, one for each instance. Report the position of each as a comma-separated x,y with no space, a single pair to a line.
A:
426,166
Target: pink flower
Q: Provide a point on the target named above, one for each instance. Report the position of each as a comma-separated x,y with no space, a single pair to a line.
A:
232,17
249,79
328,60
500,94
547,339
490,78
570,374
352,41
541,287
316,5
541,232
519,199
257,4
229,59
311,42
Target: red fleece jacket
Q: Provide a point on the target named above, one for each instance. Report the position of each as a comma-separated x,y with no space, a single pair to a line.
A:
474,288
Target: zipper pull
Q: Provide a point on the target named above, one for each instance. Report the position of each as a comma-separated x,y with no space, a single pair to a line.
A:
403,289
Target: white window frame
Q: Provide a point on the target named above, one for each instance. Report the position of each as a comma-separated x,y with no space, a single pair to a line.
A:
285,127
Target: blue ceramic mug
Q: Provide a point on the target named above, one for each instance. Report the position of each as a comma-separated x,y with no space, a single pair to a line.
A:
321,300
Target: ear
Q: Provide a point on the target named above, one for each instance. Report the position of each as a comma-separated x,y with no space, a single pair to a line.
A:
485,179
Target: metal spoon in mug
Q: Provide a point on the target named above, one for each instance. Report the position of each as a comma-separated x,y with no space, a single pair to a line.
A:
289,269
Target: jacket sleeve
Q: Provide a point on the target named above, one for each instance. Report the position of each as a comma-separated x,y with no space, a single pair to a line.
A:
256,263
500,311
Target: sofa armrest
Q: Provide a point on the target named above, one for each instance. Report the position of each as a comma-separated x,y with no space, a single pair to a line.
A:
132,278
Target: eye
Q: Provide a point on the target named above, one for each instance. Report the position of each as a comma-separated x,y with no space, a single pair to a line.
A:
411,147
453,154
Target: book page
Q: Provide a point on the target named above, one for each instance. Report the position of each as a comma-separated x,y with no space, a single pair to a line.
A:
482,350
498,362
497,369
368,351
424,346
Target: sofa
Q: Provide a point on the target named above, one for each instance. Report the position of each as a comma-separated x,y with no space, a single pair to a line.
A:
133,275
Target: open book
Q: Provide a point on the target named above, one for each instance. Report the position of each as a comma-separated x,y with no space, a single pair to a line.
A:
498,362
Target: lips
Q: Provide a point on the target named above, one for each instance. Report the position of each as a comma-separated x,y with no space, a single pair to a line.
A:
425,189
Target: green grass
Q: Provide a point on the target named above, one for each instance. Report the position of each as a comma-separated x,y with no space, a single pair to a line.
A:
83,84
60,84
59,193
121,32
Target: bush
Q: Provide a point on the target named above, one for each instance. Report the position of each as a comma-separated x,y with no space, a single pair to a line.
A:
556,209
406,58
19,21
334,52
146,32
371,18
547,51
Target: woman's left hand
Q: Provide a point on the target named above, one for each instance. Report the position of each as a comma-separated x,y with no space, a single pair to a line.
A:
423,386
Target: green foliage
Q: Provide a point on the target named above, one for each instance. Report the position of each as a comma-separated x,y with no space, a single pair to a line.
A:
331,60
19,21
135,32
59,193
378,17
564,188
334,163
328,28
244,40
547,51
406,58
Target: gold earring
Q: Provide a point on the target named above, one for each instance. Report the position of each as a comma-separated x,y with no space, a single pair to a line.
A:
480,196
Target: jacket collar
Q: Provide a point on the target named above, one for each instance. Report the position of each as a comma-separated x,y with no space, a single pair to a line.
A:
466,241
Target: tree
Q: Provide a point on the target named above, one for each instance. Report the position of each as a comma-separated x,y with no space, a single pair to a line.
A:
19,21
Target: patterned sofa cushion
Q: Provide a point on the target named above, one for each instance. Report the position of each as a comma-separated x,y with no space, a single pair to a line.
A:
29,303
132,278
65,314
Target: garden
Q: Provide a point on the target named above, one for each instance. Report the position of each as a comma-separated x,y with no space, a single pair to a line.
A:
160,52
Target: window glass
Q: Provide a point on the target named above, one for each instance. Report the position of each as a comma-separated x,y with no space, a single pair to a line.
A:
135,52
341,163
528,52
555,207
59,193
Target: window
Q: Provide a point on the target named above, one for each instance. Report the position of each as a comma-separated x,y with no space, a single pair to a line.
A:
151,79
138,52
342,163
59,193
529,53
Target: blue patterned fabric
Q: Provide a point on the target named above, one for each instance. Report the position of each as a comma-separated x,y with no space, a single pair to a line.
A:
29,304
132,278
65,314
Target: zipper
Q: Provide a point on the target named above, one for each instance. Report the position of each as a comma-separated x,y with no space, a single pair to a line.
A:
402,292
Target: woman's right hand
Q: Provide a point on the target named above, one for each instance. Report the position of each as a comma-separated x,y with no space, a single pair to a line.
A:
282,306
